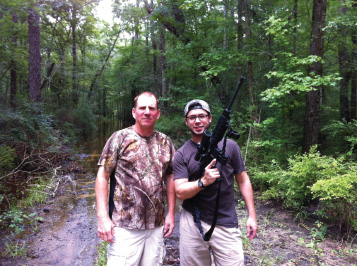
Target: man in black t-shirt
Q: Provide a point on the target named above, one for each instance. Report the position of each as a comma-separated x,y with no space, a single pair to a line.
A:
225,245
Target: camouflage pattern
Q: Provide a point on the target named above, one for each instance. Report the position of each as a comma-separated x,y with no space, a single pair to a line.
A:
141,165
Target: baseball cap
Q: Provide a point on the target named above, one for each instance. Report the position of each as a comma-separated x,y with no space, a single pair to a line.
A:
196,104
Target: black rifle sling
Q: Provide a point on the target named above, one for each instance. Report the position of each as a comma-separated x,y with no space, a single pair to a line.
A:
197,214
113,183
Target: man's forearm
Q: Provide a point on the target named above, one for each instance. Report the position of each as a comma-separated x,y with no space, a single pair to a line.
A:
246,191
101,193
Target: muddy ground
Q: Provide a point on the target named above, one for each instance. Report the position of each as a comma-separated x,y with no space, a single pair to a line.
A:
67,235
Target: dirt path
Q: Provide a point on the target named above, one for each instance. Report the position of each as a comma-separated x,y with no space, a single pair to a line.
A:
67,235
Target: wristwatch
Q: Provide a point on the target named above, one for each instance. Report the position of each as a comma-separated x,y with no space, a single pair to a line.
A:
200,184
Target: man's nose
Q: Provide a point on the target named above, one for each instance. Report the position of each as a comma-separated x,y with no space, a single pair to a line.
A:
147,110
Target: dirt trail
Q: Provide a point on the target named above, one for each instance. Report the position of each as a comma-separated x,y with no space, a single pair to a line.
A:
67,235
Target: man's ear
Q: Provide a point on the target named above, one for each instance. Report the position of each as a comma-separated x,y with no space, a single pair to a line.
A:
133,112
158,114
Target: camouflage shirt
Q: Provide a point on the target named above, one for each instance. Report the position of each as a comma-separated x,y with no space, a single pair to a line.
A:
141,165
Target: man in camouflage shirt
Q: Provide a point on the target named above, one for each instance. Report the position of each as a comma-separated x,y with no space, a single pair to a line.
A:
141,159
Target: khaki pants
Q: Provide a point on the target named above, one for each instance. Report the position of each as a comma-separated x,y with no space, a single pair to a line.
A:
223,249
136,247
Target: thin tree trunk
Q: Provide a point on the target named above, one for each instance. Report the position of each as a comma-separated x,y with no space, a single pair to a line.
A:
46,81
164,109
147,59
13,72
34,56
74,55
343,60
354,77
250,74
154,57
312,109
295,21
225,28
99,73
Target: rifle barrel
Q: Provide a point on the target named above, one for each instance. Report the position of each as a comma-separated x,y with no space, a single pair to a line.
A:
235,93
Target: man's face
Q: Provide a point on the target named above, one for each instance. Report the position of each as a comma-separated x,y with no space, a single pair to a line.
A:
146,112
197,121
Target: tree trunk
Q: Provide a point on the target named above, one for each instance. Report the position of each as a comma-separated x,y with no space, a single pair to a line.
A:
225,28
154,57
343,60
250,73
74,55
13,72
147,58
312,109
240,24
164,109
34,56
354,77
295,21
136,24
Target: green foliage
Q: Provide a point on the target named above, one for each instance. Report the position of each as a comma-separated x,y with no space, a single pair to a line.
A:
85,119
36,192
16,220
15,249
341,136
278,140
266,177
102,254
293,78
312,176
7,157
303,172
318,232
338,196
28,124
174,127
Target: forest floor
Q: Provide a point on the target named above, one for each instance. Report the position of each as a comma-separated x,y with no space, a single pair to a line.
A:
67,235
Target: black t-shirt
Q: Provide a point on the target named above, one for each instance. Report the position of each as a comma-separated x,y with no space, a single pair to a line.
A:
185,166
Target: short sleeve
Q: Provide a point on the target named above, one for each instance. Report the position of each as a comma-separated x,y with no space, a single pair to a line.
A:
109,155
180,168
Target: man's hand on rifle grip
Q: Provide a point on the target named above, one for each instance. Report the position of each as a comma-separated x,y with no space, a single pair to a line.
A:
211,174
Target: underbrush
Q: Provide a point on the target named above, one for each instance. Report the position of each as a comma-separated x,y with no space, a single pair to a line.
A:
31,151
328,182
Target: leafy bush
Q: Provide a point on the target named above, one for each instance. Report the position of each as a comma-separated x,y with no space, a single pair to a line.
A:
343,136
29,124
266,176
338,197
85,119
303,172
7,156
312,176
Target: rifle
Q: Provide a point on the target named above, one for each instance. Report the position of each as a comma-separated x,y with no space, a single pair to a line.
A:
208,150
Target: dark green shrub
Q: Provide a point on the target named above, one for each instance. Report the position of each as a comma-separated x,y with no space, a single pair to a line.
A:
338,197
341,136
84,120
7,157
312,176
